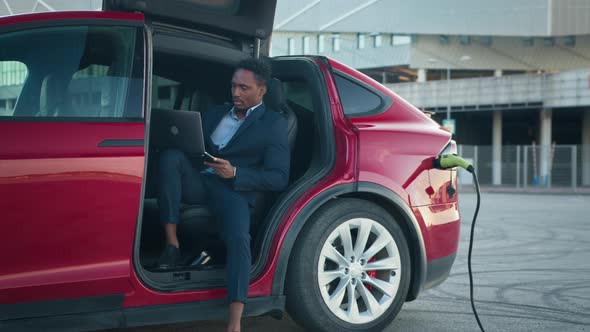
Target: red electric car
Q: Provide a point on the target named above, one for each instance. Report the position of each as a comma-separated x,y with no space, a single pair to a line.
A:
365,224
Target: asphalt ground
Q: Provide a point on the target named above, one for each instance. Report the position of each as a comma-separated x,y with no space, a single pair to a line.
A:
531,262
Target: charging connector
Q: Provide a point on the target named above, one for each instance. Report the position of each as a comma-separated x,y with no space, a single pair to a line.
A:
446,161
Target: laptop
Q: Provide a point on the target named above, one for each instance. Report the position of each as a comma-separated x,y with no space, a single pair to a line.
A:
181,130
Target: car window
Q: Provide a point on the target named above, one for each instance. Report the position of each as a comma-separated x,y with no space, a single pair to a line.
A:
356,99
12,78
165,92
168,94
298,92
73,72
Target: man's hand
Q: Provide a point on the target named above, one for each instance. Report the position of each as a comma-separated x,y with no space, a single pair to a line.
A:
222,167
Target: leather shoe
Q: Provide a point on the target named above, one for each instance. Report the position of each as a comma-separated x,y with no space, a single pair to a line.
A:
170,258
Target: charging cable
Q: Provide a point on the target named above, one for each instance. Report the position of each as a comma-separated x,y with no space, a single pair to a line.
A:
447,161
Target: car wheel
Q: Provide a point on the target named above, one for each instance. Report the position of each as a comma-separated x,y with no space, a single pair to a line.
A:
349,269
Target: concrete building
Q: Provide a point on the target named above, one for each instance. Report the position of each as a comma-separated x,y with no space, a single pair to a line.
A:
14,7
513,76
508,74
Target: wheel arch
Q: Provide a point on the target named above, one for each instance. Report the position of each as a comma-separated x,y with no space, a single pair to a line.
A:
371,192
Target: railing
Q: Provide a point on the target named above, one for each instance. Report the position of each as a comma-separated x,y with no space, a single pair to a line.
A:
530,166
563,89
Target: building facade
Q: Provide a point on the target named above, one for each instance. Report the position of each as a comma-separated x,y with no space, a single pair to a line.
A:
509,75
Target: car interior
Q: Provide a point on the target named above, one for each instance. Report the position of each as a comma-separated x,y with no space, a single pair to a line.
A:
191,83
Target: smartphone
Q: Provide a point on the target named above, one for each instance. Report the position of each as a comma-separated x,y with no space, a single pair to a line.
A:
208,157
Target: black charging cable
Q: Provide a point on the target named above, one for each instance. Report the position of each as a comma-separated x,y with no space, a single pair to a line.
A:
448,161
470,249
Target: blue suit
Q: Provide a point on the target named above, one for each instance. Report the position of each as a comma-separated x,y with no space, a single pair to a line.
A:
259,149
260,152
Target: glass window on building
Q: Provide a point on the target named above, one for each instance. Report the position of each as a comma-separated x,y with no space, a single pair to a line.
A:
336,42
361,40
377,40
12,79
291,46
86,89
168,94
400,40
321,45
305,43
465,40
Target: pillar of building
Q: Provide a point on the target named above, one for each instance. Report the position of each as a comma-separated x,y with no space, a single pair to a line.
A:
9,106
421,75
586,148
497,149
498,73
545,147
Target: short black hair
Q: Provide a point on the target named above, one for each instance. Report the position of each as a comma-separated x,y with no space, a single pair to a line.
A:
259,67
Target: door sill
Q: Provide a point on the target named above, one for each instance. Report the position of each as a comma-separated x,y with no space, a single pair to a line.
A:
144,316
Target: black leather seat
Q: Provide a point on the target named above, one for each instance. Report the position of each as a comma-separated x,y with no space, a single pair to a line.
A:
274,99
197,218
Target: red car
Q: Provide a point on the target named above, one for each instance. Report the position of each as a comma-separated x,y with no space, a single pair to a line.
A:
365,224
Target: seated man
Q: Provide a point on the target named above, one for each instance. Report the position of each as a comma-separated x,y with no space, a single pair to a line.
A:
251,152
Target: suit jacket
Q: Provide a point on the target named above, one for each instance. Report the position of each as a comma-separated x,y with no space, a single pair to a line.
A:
259,149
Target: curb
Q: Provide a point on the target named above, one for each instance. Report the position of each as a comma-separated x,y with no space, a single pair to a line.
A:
528,191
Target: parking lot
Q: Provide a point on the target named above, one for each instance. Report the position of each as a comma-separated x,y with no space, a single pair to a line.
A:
531,261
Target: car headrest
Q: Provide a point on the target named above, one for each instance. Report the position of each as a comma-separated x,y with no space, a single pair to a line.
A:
274,94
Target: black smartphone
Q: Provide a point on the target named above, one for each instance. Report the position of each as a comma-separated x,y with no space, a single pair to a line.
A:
207,157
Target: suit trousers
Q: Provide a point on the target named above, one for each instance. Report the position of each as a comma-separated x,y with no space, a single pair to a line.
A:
180,181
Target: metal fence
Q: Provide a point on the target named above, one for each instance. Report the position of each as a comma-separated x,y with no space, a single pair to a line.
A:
528,166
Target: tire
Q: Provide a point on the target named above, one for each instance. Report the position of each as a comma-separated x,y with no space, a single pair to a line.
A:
379,279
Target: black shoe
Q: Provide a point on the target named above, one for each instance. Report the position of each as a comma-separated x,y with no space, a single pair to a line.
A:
170,258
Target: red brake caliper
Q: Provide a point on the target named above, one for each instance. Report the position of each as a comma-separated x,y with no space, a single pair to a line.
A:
372,274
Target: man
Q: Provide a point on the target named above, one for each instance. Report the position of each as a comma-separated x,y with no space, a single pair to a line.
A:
251,151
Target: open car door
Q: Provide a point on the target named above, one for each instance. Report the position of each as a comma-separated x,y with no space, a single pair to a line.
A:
248,23
71,161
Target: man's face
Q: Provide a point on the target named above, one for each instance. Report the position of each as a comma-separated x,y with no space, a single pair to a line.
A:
245,90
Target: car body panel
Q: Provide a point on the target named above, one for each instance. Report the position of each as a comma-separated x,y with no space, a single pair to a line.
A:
442,224
398,147
73,17
69,208
70,190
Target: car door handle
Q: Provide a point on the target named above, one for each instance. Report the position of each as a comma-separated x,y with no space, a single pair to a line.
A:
119,143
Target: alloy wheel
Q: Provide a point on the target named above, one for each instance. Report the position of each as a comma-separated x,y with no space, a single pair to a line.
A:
359,270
